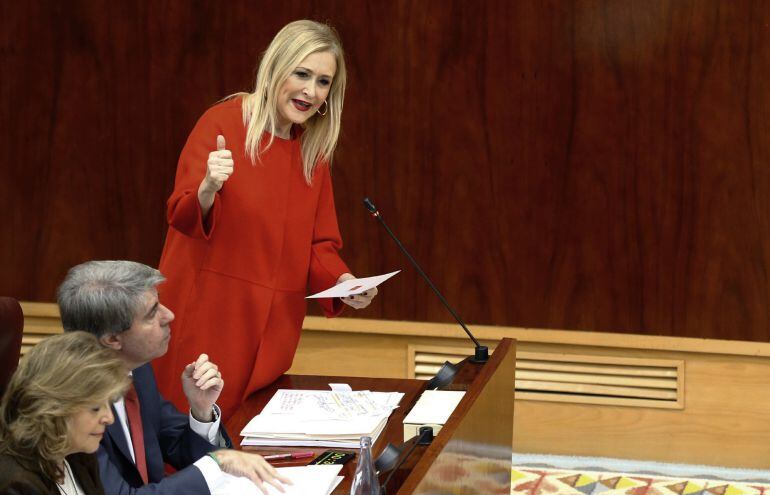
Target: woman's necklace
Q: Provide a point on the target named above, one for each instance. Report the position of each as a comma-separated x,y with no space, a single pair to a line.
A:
68,476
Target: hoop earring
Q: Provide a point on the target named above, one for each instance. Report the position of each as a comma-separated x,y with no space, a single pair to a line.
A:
326,110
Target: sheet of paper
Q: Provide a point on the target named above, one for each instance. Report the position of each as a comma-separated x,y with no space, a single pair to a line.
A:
307,480
434,406
328,404
267,425
333,444
340,387
353,286
335,483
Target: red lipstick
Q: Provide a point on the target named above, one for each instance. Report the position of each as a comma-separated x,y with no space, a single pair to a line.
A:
300,105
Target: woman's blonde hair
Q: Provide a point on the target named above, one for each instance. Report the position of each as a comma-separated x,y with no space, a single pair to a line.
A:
56,379
291,46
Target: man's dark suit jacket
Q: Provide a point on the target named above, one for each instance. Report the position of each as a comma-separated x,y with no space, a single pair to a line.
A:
21,477
167,438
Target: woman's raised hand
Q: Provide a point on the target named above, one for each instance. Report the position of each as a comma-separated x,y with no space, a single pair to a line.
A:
219,167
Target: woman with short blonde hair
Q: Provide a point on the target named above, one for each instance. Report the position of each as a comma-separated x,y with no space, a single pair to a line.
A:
252,222
53,413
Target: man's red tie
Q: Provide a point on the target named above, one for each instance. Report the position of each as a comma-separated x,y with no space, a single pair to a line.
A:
137,431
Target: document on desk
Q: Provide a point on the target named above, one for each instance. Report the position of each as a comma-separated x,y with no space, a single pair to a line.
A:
321,418
306,480
353,286
331,404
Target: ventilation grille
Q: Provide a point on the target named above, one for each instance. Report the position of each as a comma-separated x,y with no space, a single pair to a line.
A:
587,379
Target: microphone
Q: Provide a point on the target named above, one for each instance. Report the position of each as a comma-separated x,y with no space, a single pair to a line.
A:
482,351
393,457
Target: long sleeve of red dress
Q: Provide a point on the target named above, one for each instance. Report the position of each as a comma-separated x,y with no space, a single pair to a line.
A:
237,280
183,210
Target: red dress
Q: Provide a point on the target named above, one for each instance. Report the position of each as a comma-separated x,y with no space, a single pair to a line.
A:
237,281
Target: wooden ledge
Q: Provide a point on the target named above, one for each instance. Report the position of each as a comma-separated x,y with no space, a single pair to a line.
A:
537,335
37,314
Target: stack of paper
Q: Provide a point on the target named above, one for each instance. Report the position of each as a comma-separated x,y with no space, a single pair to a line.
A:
306,480
321,418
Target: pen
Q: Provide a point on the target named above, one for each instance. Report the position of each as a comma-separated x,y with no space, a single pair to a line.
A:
291,455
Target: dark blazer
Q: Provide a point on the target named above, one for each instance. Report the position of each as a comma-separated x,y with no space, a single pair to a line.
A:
21,477
167,438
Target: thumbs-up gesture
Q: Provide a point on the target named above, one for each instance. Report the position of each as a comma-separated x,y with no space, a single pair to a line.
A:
219,167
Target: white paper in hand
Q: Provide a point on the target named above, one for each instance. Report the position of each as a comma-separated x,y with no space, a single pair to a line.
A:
353,286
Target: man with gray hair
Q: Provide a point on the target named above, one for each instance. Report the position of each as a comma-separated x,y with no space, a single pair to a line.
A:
118,302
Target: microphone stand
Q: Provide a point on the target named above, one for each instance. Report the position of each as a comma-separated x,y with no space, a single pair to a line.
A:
481,354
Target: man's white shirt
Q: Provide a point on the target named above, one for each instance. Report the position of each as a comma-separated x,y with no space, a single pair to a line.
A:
208,431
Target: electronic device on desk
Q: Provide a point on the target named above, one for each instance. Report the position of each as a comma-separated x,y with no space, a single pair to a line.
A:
332,457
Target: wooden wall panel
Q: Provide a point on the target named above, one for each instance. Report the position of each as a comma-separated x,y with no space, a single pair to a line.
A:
597,165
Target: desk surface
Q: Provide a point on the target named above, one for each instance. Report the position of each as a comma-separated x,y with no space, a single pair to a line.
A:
471,454
393,432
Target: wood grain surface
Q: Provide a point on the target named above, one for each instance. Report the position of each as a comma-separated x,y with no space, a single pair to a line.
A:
478,432
593,165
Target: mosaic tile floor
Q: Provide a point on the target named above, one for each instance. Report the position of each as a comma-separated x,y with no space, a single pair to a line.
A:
542,481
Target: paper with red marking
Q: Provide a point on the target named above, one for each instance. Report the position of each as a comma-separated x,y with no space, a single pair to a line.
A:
353,286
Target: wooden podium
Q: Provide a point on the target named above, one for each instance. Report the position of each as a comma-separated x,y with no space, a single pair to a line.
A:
470,455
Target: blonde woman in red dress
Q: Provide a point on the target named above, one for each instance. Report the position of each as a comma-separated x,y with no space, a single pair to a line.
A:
252,224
